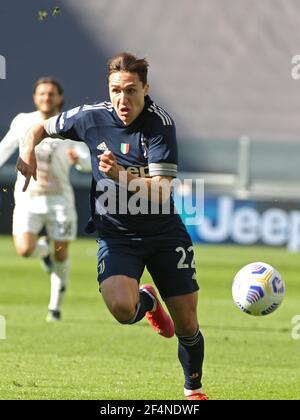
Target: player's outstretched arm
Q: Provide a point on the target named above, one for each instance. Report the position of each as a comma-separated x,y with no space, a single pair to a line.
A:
26,163
7,147
10,142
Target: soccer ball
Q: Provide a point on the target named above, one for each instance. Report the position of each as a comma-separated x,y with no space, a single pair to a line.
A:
258,289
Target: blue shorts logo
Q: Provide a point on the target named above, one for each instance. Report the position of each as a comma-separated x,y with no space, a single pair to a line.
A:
102,267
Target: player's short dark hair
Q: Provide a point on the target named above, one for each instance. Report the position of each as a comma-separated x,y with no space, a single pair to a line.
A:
129,63
52,81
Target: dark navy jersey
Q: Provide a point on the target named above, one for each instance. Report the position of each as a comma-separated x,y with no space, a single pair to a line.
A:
145,148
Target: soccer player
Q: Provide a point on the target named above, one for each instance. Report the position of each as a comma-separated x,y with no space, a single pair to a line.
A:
49,202
134,159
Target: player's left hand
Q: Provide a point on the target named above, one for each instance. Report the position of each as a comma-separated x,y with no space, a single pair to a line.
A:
108,165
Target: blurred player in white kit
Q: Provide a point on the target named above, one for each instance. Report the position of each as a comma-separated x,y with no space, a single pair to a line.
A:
48,202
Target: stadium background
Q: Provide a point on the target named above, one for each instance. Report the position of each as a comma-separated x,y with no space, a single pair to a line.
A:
223,70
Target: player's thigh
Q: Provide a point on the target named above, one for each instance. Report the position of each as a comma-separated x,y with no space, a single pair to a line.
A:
121,295
61,223
26,226
173,270
25,243
183,310
120,267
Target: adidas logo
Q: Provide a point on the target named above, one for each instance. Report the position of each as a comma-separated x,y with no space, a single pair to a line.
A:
102,147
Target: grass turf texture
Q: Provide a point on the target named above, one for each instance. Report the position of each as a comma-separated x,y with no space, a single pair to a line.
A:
90,356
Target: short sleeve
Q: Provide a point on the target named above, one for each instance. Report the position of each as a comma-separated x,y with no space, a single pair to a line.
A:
66,125
162,157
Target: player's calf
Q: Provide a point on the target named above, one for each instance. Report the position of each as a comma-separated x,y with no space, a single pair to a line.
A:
191,356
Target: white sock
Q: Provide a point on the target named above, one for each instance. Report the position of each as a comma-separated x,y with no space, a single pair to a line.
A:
41,250
59,281
188,392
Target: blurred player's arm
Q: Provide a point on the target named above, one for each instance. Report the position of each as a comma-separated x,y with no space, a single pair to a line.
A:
79,156
10,142
59,126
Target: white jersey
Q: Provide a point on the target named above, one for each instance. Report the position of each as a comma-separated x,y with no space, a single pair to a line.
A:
53,166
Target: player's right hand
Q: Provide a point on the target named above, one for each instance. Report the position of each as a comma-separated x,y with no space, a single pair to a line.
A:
27,166
73,156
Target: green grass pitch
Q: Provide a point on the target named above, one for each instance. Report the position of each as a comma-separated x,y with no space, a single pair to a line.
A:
90,356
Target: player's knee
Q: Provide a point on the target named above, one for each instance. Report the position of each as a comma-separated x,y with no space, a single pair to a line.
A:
122,311
186,327
24,252
187,331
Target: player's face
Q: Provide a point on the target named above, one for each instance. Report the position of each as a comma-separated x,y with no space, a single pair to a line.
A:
127,95
47,99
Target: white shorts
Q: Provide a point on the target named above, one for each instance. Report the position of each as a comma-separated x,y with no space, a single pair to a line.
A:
59,221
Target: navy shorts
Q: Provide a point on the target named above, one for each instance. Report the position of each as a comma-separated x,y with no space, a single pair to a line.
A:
171,263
